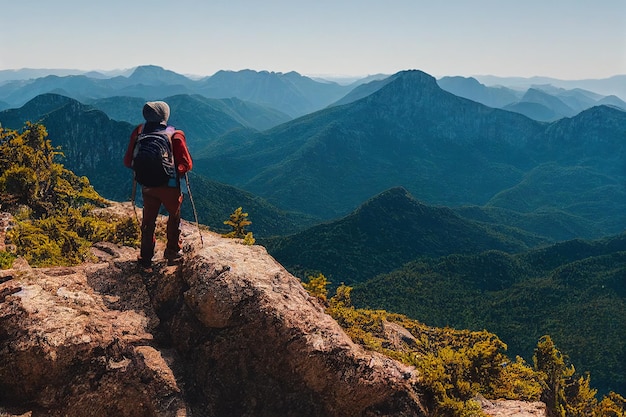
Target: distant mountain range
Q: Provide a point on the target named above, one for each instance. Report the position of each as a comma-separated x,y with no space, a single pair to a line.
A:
288,93
445,150
615,85
400,131
295,95
542,102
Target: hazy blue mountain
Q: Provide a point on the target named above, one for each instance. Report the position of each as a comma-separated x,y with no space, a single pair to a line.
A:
79,87
542,102
4,105
352,81
83,88
615,85
93,145
553,103
535,111
576,99
363,90
31,73
154,75
444,149
385,232
470,88
612,101
369,78
290,93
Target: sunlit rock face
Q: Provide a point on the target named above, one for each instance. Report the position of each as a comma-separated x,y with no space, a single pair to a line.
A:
228,331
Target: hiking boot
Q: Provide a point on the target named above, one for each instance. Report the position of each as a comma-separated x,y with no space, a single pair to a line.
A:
172,255
144,264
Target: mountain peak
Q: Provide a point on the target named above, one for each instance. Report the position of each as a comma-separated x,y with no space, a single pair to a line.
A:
155,75
392,223
415,78
412,88
394,195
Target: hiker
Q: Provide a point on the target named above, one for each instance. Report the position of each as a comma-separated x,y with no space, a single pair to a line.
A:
166,193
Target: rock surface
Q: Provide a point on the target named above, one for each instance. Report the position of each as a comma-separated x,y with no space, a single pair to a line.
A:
228,332
511,408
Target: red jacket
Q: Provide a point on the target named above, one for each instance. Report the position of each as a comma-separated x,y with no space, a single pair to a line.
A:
182,158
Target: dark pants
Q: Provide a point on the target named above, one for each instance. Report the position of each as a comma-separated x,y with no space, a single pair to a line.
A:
153,197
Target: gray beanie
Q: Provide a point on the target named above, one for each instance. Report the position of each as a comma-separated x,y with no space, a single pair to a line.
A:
156,111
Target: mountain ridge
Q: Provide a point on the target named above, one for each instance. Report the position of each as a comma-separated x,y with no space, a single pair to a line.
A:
290,93
541,102
444,149
383,233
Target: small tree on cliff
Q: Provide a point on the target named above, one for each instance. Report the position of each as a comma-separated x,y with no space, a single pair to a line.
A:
564,393
550,364
238,221
316,286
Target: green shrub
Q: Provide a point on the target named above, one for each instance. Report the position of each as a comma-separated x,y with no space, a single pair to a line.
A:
456,365
53,208
6,260
238,221
316,286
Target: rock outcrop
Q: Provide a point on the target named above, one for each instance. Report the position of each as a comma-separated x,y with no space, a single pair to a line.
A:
228,332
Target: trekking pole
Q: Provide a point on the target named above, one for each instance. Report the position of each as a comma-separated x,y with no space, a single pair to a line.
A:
193,206
132,199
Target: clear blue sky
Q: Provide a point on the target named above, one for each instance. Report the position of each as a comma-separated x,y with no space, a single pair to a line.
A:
567,39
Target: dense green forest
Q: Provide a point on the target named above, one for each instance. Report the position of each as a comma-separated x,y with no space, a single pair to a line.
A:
456,365
575,291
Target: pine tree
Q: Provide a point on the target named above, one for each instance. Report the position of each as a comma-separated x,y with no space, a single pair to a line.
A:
550,364
238,221
317,286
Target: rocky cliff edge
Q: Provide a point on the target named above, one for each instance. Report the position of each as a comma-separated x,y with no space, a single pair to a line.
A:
228,332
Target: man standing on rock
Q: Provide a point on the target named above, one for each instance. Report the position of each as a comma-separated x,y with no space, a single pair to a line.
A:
159,156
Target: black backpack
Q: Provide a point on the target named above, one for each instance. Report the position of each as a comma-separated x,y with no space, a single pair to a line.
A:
153,159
